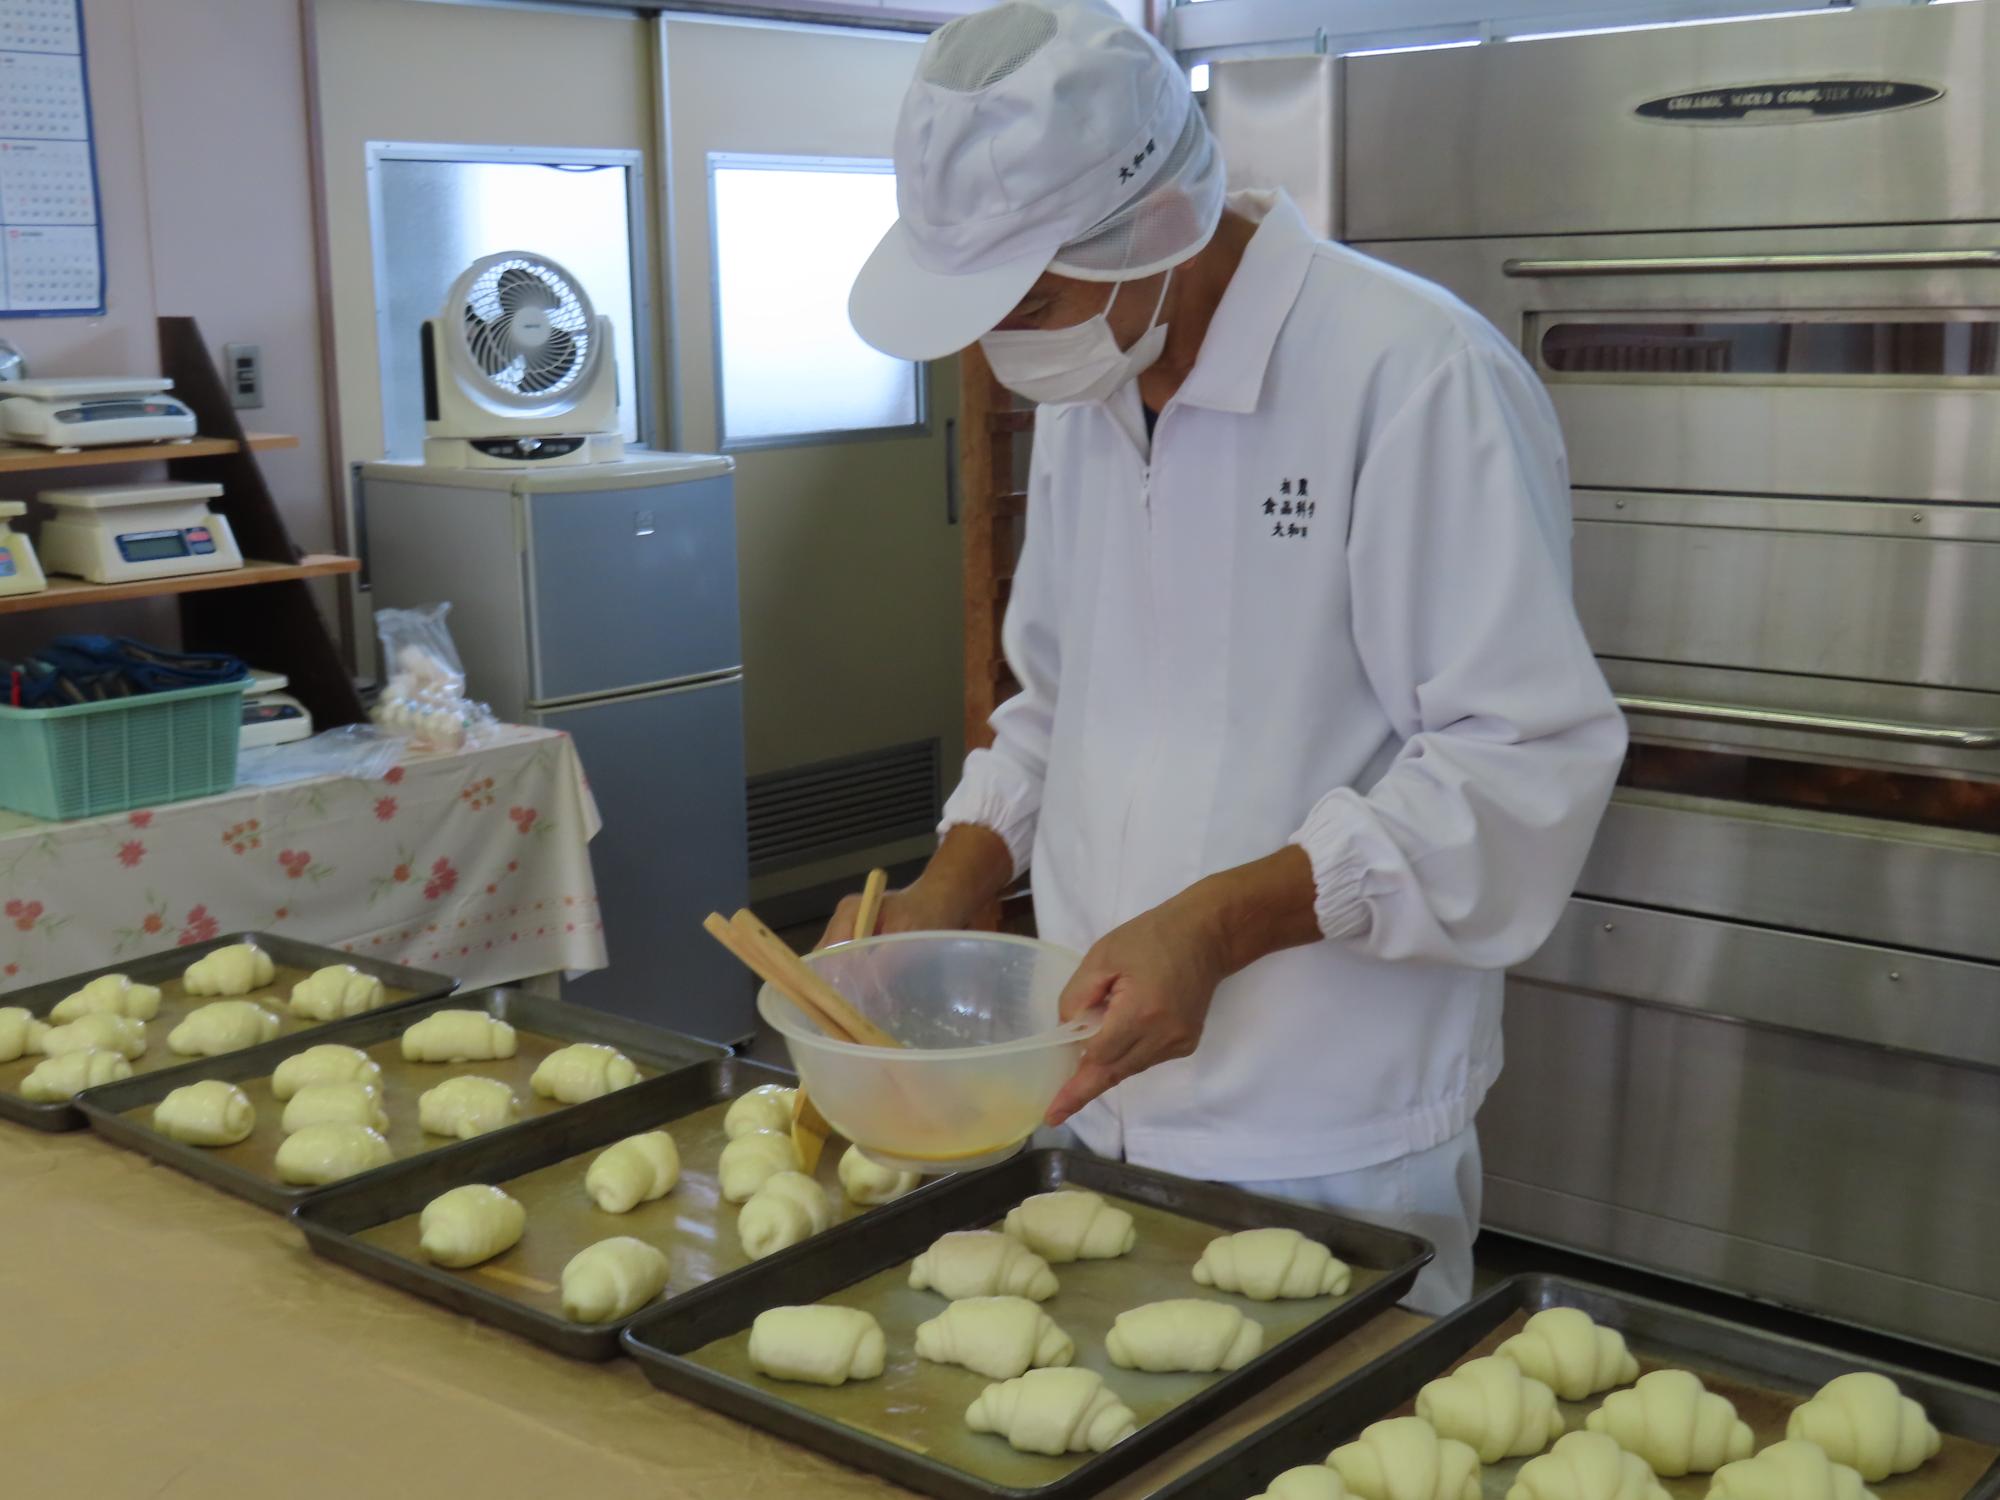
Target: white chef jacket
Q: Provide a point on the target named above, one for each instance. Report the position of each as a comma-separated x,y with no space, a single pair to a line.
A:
1331,609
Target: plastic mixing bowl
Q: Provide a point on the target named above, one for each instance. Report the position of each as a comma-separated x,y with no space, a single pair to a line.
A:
983,1051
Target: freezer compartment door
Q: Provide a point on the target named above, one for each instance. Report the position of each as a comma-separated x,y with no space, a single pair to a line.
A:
631,587
667,771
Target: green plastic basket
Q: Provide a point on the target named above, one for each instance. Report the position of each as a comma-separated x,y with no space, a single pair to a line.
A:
93,758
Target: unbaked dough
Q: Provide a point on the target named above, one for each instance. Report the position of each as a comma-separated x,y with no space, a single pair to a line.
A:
1403,1458
329,1062
320,1154
1571,1354
20,1033
1054,1412
612,1279
64,1077
1792,1470
334,1104
1184,1333
1586,1466
102,1029
1862,1421
768,1106
789,1207
982,1263
1491,1406
998,1337
820,1345
583,1071
470,1224
210,1113
1071,1225
1266,1264
335,991
1669,1420
867,1182
235,970
109,993
224,1026
753,1158
636,1170
455,1036
466,1106
1306,1482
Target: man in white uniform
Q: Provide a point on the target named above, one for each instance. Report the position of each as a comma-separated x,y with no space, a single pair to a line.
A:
1309,745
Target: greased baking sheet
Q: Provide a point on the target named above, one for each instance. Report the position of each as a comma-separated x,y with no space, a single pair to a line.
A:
374,1226
124,1111
910,1423
1763,1375
294,961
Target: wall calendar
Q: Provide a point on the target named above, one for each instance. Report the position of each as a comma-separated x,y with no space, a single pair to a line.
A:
51,240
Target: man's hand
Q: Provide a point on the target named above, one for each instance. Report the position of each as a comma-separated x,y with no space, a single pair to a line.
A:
971,868
1155,977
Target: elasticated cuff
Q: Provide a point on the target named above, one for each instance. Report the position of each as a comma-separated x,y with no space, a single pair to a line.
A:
1331,837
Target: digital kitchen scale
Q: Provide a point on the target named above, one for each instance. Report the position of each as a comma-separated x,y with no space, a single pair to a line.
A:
92,413
271,717
121,533
19,572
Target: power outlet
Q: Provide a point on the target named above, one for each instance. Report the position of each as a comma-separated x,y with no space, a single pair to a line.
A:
243,370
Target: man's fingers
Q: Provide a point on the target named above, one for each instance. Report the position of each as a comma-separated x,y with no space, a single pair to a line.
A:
841,928
1084,1085
1087,989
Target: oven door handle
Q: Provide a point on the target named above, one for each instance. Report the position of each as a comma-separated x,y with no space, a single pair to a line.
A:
1805,260
1946,737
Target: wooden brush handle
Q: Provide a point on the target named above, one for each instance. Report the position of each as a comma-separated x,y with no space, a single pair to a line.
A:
750,953
871,903
846,1021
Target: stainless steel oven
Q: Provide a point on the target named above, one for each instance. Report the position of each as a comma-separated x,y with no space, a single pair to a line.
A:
1758,266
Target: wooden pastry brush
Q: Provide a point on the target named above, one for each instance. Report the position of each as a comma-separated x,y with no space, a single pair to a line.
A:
809,1126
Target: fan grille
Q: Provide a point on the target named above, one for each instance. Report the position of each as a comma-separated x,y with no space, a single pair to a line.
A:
527,327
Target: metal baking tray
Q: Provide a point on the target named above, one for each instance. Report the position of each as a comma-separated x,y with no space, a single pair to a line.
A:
371,1224
294,960
908,1425
123,1112
1764,1374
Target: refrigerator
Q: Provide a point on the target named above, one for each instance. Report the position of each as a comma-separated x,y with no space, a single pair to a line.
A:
602,601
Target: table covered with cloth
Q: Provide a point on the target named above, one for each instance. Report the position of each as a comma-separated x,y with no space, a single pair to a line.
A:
473,863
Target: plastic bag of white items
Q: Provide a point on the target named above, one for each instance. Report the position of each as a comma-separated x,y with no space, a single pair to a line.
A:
424,696
361,751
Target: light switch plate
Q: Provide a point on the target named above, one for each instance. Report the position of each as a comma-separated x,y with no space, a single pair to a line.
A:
243,373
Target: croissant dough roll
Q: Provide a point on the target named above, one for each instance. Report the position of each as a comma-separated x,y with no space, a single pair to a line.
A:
1184,1333
1403,1458
466,1106
20,1033
235,970
1571,1354
209,1113
789,1207
636,1170
981,1263
1492,1407
329,1062
333,1104
1266,1264
470,1224
110,994
102,1029
1669,1420
998,1337
751,1160
868,1182
333,992
320,1154
612,1279
1864,1422
64,1077
1306,1482
1586,1466
819,1345
1071,1225
1054,1412
583,1071
456,1036
766,1107
224,1026
1792,1470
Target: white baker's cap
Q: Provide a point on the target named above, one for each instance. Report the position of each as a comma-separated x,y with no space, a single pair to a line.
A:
1037,135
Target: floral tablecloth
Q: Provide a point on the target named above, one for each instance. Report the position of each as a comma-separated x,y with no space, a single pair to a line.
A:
473,863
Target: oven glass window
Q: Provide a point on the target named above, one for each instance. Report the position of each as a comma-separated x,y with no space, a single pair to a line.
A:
1916,350
1903,797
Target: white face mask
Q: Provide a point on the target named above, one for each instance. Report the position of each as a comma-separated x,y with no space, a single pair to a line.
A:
1050,366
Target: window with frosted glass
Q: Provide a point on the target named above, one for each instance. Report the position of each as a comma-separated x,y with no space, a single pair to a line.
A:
790,233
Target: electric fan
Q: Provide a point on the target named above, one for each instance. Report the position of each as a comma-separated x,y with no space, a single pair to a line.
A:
518,370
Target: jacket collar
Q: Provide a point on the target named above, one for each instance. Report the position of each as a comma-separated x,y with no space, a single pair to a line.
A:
1228,373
